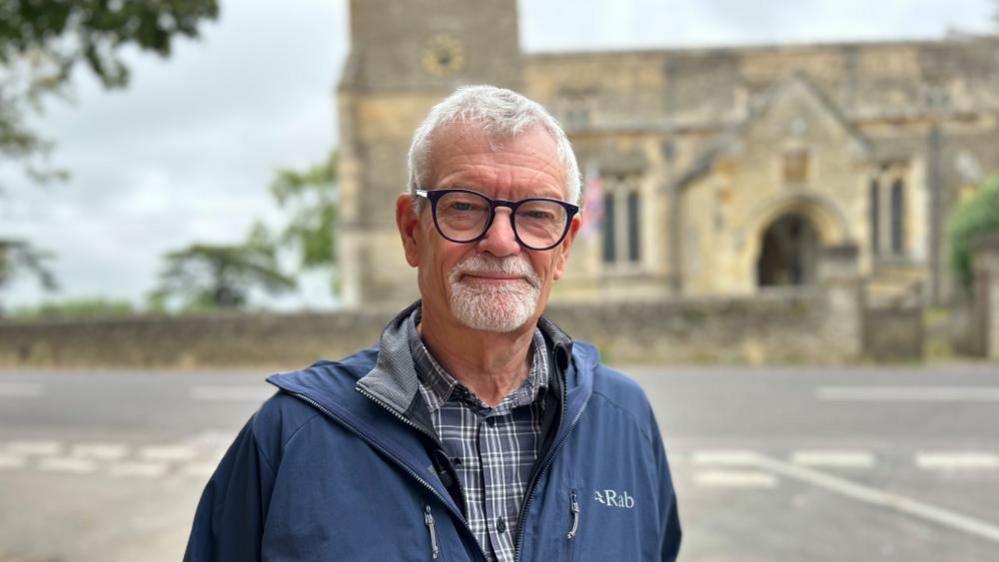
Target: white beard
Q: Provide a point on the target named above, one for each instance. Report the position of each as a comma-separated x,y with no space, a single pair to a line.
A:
502,307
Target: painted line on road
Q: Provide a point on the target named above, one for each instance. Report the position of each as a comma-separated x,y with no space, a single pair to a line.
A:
735,479
256,393
908,393
40,448
138,469
211,440
833,459
67,464
199,470
100,451
939,515
21,390
175,453
724,457
957,460
12,461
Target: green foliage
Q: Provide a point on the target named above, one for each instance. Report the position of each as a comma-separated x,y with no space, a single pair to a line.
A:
42,41
18,257
206,277
978,214
82,308
310,198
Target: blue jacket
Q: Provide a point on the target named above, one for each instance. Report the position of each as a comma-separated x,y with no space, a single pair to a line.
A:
339,465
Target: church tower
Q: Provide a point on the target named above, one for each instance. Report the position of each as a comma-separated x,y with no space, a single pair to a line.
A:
405,56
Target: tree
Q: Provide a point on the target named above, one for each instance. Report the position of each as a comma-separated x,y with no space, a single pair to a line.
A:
42,41
208,277
77,308
17,257
976,215
310,198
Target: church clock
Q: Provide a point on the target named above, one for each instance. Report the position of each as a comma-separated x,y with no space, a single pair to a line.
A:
443,55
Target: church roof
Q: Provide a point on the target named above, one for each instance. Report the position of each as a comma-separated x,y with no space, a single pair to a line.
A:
794,82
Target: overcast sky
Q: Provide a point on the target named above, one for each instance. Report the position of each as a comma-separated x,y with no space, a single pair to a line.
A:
187,151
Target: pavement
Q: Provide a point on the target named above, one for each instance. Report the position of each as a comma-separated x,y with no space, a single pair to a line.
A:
770,464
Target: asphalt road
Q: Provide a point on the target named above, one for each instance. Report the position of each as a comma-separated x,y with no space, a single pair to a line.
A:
781,465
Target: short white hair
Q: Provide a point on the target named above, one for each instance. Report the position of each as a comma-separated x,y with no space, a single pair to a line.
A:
499,113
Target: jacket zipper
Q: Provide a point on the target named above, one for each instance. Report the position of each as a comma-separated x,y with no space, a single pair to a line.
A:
537,474
574,508
428,518
374,444
403,419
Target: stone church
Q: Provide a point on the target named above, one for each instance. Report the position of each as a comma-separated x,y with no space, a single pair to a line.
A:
711,171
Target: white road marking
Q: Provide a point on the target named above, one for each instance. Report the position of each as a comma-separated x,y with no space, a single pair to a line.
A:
177,453
202,470
939,515
100,451
21,390
67,464
256,393
140,469
833,459
211,441
33,447
967,460
11,461
733,457
735,479
909,393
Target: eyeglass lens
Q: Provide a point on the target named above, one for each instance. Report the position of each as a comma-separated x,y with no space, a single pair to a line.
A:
464,217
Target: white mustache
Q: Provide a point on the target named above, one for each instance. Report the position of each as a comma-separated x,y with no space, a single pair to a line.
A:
504,266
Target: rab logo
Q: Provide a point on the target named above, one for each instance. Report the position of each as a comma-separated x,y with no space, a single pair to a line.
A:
612,498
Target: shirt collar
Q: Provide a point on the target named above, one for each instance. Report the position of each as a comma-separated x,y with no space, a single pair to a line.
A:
443,386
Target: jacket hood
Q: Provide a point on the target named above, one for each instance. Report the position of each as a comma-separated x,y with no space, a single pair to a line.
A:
386,370
343,389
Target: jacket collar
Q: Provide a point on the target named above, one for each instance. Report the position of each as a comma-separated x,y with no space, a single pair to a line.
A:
393,380
387,371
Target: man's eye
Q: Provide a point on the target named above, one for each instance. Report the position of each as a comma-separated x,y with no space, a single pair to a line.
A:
462,207
540,215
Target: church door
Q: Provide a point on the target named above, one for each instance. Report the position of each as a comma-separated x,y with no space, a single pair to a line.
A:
788,253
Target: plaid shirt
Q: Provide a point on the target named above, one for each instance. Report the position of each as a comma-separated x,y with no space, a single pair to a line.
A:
493,449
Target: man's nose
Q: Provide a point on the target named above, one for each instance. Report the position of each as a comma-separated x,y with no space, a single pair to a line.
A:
500,240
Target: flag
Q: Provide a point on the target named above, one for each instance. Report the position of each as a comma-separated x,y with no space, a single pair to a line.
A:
593,200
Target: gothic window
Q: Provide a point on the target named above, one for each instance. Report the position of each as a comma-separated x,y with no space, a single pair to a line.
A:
622,226
577,109
796,167
898,217
633,226
887,207
610,243
875,215
577,117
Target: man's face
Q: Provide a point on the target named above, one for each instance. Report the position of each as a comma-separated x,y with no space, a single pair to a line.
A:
493,284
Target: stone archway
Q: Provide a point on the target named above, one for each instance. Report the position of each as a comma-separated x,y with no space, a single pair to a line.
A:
789,250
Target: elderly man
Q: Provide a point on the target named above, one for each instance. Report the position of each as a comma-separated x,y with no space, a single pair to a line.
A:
476,429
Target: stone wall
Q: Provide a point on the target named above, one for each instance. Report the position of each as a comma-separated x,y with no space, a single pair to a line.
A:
984,316
894,333
776,327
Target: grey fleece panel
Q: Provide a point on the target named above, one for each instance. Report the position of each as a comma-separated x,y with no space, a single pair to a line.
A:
393,380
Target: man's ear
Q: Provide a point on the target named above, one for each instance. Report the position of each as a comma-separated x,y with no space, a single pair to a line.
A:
408,221
566,244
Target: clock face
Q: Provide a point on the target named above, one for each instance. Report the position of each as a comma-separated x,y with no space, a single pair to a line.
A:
443,55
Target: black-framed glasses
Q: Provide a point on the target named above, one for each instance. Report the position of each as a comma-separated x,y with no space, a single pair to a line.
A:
464,216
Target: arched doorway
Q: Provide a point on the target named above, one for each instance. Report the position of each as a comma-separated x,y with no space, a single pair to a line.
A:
788,252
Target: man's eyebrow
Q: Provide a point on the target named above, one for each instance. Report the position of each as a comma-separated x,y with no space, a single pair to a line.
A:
539,193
